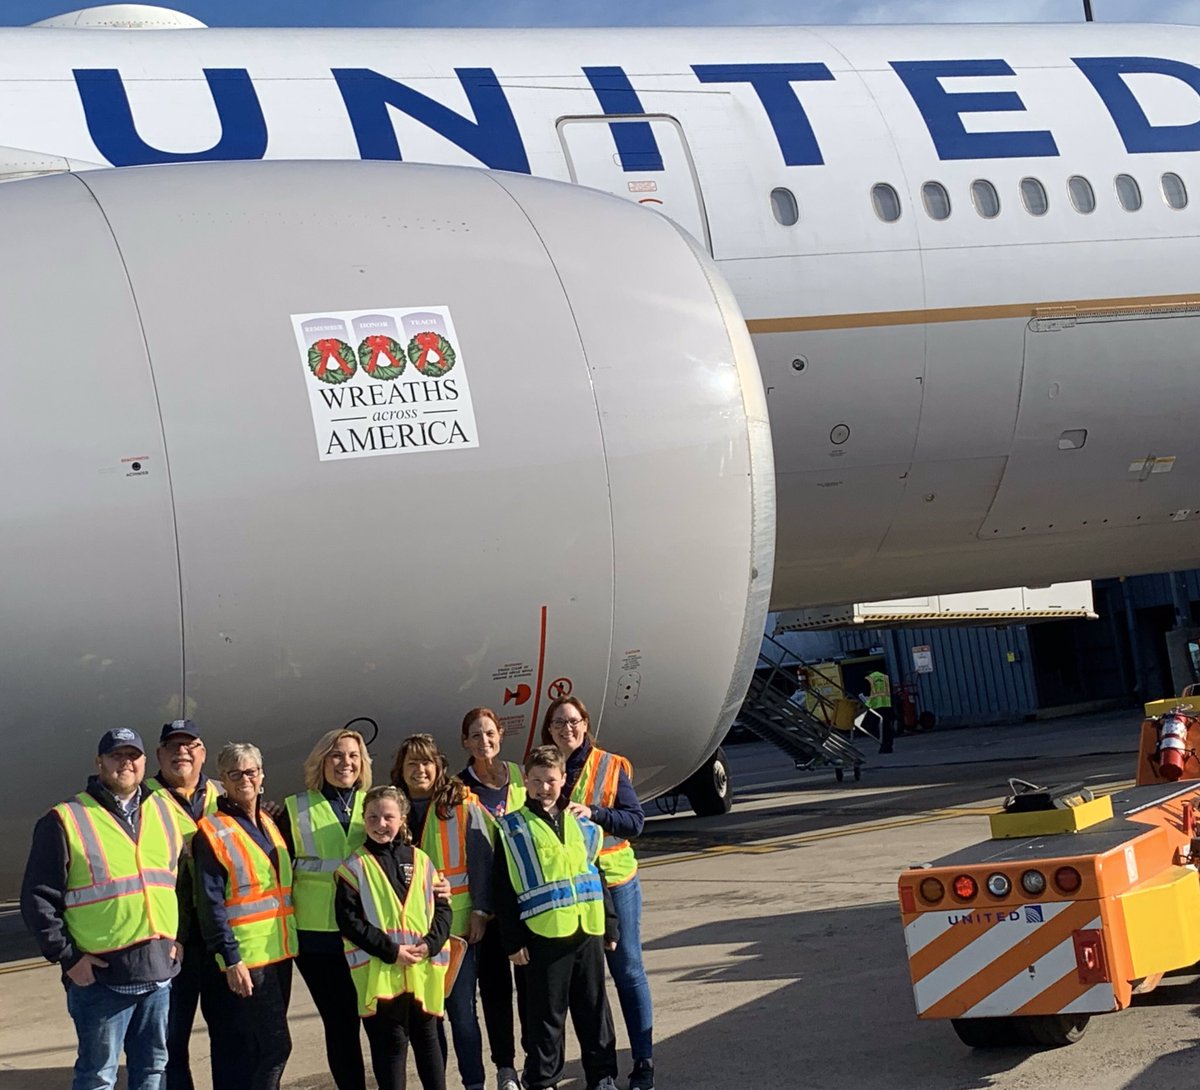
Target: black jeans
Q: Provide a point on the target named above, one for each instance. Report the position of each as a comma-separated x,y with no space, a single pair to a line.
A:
496,995
254,1030
199,982
395,1024
562,975
887,729
332,988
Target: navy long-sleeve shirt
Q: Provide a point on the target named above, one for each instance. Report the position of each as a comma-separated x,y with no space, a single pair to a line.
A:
626,818
210,883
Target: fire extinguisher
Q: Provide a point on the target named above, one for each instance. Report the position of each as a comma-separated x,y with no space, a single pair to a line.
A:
1172,744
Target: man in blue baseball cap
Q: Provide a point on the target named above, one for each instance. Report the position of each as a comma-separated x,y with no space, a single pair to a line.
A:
99,896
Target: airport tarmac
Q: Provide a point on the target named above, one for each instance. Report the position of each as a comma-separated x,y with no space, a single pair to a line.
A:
772,937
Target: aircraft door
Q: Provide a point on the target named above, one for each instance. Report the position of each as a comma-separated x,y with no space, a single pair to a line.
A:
644,159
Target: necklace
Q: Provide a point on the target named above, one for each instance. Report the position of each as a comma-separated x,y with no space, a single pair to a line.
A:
345,802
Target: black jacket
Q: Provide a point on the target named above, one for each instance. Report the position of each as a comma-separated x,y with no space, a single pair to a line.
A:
513,932
43,895
394,858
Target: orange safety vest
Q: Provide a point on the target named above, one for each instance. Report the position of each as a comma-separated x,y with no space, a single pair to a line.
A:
445,842
597,786
258,898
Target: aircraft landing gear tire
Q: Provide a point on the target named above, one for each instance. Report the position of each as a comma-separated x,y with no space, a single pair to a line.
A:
1053,1030
987,1032
709,789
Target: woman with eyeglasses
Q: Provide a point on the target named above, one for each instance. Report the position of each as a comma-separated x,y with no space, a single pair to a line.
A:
599,788
244,903
324,827
450,826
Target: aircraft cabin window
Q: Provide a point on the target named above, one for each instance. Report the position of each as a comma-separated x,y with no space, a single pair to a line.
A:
783,204
936,199
985,198
886,201
1033,196
1083,199
1129,193
1174,191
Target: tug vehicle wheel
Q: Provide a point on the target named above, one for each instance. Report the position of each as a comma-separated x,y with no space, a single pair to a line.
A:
1053,1030
986,1032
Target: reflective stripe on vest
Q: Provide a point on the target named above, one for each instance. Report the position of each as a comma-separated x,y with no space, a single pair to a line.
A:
445,842
597,786
258,900
321,844
119,891
405,924
556,882
880,695
183,816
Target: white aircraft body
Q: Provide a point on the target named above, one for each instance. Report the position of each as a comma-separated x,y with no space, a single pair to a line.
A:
966,257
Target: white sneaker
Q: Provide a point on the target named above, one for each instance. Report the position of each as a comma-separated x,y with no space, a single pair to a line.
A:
506,1079
606,1083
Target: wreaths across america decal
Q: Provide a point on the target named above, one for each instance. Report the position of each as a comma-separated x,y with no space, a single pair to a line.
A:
386,381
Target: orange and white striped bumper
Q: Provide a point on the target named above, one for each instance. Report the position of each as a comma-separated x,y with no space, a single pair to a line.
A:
1009,960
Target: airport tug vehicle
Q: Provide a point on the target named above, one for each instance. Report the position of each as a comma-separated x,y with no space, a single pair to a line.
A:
1074,905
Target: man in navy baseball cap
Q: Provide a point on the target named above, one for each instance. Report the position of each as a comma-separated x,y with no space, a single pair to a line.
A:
180,727
118,737
111,930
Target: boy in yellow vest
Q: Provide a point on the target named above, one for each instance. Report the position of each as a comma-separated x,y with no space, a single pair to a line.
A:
395,931
556,918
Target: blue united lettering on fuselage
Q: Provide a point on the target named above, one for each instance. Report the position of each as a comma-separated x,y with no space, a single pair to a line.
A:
493,137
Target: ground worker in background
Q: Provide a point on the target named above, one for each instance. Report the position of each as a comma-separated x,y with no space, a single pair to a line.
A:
99,897
879,700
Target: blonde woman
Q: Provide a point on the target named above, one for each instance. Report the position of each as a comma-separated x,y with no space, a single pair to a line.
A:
324,826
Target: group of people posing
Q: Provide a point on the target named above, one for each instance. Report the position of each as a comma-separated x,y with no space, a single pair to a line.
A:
399,905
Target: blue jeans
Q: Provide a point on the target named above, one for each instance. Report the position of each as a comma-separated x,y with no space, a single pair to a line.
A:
105,1022
464,1022
628,973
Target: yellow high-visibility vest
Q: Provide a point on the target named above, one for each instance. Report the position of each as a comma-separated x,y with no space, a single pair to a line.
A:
880,694
119,891
405,924
183,816
556,882
597,786
514,799
321,844
258,899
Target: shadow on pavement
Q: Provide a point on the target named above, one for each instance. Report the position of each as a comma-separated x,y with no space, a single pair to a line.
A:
835,1011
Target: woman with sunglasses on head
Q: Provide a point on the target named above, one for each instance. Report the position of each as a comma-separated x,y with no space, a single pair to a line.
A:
450,826
500,788
599,788
324,826
244,902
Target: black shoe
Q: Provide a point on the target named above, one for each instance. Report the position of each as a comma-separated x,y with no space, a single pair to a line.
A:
886,751
642,1075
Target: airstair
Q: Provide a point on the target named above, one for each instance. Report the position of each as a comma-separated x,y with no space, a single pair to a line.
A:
799,719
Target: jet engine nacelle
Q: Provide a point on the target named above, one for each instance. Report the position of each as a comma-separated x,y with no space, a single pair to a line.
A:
289,443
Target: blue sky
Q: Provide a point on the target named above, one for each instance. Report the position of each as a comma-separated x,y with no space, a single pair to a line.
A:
357,13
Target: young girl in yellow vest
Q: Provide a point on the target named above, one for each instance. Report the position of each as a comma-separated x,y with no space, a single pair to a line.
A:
395,932
452,829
